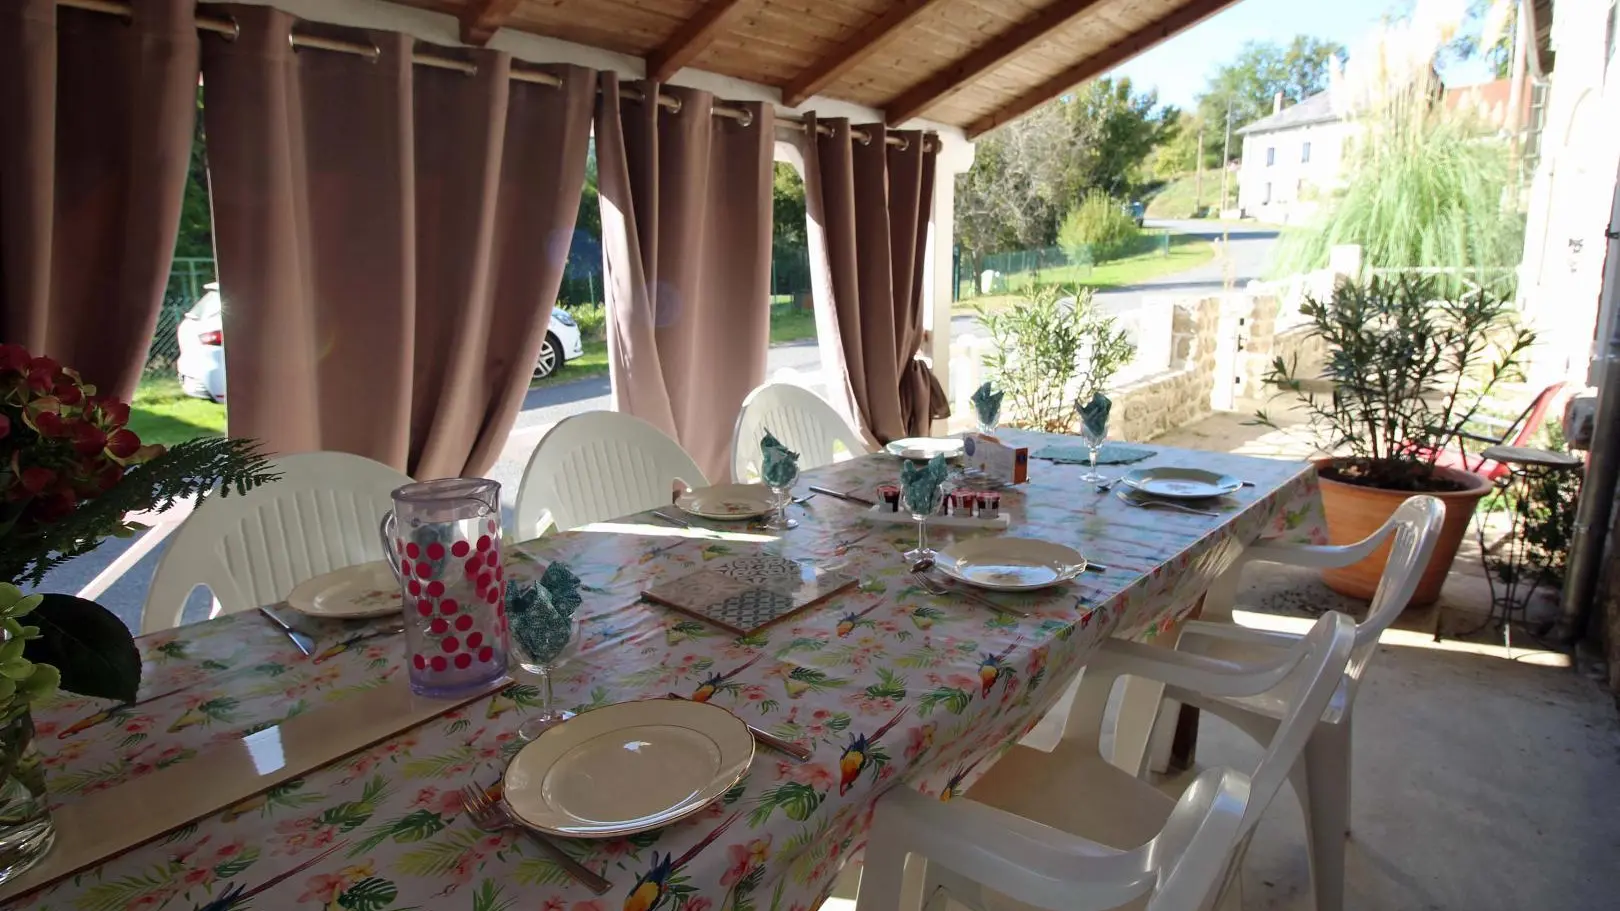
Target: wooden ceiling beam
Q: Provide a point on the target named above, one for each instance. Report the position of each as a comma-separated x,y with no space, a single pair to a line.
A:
861,44
690,39
999,50
1182,18
481,18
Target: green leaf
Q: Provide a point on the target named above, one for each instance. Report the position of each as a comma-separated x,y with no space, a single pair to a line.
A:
91,647
369,894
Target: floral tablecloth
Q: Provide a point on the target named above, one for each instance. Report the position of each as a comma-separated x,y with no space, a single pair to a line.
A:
888,683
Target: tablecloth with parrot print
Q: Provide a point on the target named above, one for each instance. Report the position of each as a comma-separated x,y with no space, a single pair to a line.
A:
890,685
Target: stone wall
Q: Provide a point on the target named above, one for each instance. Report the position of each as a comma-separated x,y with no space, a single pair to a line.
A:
1180,395
1263,343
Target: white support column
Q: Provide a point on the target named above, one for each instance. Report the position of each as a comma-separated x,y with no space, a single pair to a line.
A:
955,156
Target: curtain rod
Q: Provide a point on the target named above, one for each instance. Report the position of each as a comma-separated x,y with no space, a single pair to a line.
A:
229,28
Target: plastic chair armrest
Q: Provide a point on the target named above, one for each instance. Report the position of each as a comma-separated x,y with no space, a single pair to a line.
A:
1188,671
1315,556
1236,632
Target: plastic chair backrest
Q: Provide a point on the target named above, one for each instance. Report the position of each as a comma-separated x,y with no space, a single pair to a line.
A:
1536,415
1415,529
1199,840
1321,657
596,466
796,416
252,549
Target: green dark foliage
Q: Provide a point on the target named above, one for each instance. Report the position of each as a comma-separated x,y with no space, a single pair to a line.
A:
1248,86
89,646
1097,230
1049,350
236,466
1408,367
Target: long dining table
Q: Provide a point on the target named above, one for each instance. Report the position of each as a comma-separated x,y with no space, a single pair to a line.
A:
890,685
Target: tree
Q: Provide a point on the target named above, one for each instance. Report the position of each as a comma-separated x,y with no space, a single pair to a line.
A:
1486,34
1262,70
1111,131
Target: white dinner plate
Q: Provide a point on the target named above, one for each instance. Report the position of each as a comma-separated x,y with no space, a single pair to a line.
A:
924,448
1010,564
1180,483
627,768
727,502
351,593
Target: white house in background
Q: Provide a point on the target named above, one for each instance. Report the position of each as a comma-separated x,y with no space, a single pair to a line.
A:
1292,159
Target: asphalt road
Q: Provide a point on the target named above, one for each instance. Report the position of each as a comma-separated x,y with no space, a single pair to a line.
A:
1248,248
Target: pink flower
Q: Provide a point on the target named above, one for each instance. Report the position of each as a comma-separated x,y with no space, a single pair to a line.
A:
324,888
553,904
816,776
744,859
696,904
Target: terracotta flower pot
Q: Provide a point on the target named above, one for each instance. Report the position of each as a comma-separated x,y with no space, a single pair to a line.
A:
1354,512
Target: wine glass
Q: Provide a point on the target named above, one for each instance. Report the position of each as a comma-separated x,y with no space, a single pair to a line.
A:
922,501
541,658
782,496
1094,437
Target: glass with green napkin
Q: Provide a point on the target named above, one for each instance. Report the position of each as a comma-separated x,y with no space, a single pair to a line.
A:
779,468
543,622
987,405
1094,430
922,489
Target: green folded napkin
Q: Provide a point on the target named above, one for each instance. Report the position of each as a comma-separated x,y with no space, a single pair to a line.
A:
779,465
1094,414
542,613
1109,454
920,484
987,404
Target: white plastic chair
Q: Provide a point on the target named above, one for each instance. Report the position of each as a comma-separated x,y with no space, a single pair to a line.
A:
1042,867
1321,777
596,466
984,839
252,549
796,416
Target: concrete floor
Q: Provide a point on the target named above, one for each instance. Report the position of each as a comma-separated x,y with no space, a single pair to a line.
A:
1481,782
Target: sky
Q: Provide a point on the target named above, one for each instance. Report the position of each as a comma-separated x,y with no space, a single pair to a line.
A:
1181,67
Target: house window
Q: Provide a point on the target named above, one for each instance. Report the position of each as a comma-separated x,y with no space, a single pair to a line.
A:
1271,156
1266,199
1305,153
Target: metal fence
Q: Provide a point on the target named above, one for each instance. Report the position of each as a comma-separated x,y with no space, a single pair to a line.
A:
790,277
187,276
1020,270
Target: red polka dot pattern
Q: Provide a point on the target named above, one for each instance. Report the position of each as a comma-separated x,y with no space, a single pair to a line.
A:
483,543
435,551
464,623
448,606
438,663
475,640
413,551
435,589
424,607
449,644
438,627
414,587
463,660
485,654
460,548
420,662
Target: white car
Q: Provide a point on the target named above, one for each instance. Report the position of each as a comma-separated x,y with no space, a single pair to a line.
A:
201,364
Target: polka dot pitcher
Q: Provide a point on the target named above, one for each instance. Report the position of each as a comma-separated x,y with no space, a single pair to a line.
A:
444,538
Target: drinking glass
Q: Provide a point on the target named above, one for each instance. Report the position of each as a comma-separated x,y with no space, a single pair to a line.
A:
1094,437
782,496
922,502
541,663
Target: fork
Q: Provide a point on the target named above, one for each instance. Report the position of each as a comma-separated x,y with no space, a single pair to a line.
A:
938,590
489,814
1165,504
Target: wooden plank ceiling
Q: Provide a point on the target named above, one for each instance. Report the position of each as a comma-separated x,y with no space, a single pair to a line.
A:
975,64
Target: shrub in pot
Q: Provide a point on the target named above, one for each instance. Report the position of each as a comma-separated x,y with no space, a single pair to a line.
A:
1409,363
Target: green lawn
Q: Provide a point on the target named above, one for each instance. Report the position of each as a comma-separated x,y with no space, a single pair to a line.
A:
161,413
1186,252
793,326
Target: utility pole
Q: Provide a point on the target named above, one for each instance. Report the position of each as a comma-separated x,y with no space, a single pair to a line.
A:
1226,153
1198,182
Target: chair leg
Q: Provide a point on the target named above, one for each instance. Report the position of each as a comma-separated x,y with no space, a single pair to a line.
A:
1327,816
888,881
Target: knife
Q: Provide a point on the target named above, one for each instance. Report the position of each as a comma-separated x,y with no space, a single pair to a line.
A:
304,641
848,497
334,650
776,743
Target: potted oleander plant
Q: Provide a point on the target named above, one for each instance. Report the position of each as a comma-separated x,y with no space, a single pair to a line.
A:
1055,346
71,472
1411,358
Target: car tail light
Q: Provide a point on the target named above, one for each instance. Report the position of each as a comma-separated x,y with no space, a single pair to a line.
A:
211,337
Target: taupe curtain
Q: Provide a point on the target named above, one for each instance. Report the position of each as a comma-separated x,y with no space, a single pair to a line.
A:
390,240
868,205
96,117
686,244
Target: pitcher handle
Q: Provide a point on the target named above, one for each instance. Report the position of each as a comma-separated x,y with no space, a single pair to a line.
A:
385,529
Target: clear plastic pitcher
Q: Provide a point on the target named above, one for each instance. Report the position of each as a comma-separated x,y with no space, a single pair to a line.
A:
444,538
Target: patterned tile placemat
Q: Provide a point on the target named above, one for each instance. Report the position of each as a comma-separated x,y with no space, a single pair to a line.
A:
747,593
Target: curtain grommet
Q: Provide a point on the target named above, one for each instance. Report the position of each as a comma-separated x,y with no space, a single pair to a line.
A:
747,118
904,143
675,105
